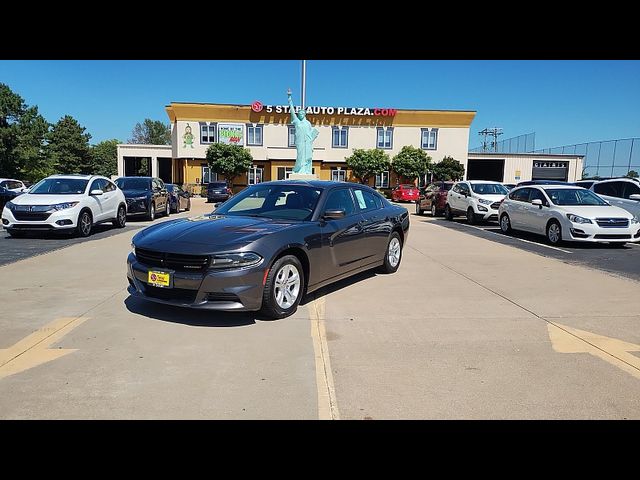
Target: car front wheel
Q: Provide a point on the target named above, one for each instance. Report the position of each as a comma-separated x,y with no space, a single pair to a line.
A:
447,212
554,233
284,287
85,224
505,223
418,209
434,211
151,214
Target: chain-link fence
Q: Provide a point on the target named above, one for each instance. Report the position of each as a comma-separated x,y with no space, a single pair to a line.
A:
608,158
520,144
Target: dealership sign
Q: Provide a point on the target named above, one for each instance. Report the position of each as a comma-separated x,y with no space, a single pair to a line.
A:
231,133
356,111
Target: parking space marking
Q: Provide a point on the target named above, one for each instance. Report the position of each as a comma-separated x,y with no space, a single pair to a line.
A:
515,238
33,350
616,352
327,405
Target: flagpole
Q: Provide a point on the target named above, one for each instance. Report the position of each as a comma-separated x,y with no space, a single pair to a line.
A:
304,83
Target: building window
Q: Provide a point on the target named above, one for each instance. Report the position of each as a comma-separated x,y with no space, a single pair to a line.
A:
339,137
385,137
382,180
429,140
292,136
338,175
208,176
207,133
254,134
284,172
255,175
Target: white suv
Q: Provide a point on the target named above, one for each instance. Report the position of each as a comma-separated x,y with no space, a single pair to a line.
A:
66,203
620,192
479,200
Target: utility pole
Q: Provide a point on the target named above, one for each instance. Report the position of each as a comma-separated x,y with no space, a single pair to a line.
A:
304,84
494,132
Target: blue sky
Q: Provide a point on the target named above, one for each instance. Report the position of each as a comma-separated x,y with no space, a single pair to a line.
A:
564,102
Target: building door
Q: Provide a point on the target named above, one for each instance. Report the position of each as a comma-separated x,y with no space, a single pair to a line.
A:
165,170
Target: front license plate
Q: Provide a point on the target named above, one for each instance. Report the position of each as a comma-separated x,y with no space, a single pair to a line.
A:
159,279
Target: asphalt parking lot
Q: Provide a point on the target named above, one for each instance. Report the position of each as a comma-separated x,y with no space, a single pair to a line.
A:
624,261
467,328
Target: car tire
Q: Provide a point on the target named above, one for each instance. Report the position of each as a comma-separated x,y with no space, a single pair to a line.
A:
188,205
471,216
16,233
275,301
167,208
151,214
618,244
505,223
177,209
447,212
121,217
419,211
554,233
392,255
85,224
434,210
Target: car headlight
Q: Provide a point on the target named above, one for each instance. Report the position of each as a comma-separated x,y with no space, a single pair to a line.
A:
10,205
235,260
61,206
577,219
482,209
133,248
635,220
485,202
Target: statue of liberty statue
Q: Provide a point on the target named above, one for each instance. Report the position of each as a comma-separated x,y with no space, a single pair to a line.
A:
305,135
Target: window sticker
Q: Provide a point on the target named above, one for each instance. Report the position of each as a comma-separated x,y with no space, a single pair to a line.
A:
361,203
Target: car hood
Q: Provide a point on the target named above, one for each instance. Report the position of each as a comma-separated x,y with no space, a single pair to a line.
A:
493,198
29,199
605,211
135,193
215,232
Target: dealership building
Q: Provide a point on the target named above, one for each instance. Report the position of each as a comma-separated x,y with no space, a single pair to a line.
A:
268,134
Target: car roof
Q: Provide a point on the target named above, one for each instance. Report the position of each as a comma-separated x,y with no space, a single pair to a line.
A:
133,176
74,175
12,179
565,187
315,183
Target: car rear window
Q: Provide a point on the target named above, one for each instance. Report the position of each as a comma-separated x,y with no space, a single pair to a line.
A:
217,185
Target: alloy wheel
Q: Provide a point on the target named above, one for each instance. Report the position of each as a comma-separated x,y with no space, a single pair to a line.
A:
394,252
287,286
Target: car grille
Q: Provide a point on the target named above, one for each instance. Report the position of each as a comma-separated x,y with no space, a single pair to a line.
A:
30,216
495,205
493,217
612,222
604,236
171,294
174,261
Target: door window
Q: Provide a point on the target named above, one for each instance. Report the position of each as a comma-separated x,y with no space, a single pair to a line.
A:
97,184
630,189
537,195
366,201
340,200
521,195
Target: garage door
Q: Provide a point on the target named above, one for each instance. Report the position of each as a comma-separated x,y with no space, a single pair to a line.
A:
550,171
485,169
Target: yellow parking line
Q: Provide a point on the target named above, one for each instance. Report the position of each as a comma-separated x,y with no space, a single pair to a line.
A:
327,405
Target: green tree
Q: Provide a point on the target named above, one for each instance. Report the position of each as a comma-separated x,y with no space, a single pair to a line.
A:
367,163
632,174
151,132
104,158
229,160
68,147
411,162
22,133
448,169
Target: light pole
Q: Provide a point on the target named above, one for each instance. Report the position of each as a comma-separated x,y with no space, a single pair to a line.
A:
304,84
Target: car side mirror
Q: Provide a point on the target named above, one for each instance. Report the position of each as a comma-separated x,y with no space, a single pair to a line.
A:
96,192
333,214
635,196
537,202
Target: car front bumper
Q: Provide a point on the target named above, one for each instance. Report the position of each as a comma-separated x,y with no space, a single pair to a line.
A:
217,197
57,221
232,290
491,214
589,232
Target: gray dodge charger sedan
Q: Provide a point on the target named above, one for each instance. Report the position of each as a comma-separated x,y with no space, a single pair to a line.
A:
267,246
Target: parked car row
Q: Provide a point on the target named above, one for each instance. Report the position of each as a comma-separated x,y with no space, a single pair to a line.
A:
585,211
76,203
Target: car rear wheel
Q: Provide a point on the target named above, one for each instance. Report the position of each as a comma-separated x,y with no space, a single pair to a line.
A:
419,211
284,287
85,224
151,214
447,212
121,218
554,233
393,254
505,223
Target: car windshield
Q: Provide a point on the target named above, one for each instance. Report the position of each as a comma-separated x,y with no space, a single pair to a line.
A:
489,189
574,196
288,202
59,186
133,183
407,186
169,187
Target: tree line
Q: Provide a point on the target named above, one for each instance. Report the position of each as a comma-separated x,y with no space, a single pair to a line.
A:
31,148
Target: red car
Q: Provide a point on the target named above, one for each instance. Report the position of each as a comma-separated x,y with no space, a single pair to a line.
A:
433,198
405,193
